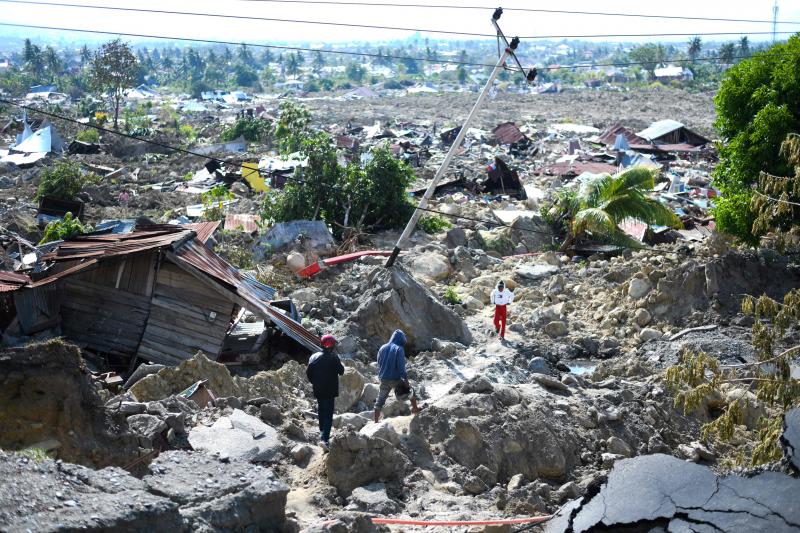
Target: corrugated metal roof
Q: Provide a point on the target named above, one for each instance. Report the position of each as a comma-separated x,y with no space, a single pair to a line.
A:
111,245
204,230
11,281
609,136
659,129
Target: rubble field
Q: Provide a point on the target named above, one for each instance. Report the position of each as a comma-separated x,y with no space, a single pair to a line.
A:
568,416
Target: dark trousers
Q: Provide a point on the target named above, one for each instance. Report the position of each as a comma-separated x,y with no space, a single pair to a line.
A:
325,413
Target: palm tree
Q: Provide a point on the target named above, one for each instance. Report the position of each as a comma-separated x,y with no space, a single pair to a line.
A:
744,46
695,47
727,53
602,204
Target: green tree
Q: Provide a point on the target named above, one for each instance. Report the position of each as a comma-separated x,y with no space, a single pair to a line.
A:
649,55
85,55
318,62
114,69
695,47
756,110
602,204
292,127
292,65
744,46
355,72
64,180
52,62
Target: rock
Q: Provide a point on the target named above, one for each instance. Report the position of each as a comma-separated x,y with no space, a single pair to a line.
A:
300,452
351,385
169,381
642,317
373,499
608,459
556,328
550,258
131,408
369,394
147,426
570,380
215,496
456,237
382,430
431,265
649,334
549,382
240,437
353,421
271,414
477,385
696,452
516,482
535,272
682,496
355,460
396,300
538,365
295,261
618,446
638,288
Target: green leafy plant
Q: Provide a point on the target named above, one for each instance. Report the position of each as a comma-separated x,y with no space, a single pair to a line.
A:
451,296
59,230
602,204
89,135
37,455
187,132
251,128
64,180
214,202
433,224
114,69
292,127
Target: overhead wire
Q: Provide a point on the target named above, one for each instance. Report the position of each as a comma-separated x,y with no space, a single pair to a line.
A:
372,26
521,9
488,223
351,53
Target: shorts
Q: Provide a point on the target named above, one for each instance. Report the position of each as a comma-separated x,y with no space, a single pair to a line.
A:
389,385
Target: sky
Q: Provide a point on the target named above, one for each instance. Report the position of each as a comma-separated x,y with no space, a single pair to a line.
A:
527,25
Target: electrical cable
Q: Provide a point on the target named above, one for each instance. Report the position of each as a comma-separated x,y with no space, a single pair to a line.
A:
521,9
777,200
369,26
349,53
489,223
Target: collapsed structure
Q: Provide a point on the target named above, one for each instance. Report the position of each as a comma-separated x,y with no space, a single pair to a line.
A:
156,293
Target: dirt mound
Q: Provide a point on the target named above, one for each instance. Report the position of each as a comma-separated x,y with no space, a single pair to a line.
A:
48,401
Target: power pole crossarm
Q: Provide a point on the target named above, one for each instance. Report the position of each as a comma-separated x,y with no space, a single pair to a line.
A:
509,51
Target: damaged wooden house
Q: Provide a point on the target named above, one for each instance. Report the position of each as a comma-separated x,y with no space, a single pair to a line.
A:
156,293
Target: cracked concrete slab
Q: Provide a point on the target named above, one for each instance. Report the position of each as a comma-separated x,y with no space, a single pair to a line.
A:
678,496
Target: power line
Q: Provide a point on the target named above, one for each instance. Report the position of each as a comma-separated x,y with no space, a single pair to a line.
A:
349,53
522,9
490,223
375,27
777,200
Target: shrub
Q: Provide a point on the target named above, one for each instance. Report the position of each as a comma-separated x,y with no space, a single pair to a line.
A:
451,296
253,130
89,135
187,132
292,127
58,230
64,180
433,224
214,202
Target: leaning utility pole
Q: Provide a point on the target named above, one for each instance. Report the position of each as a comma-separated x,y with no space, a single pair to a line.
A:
774,21
501,64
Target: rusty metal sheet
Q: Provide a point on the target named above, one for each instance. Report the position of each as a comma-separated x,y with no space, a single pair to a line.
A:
508,133
245,223
11,281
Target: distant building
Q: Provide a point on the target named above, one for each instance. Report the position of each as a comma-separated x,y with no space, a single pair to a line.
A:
5,64
673,73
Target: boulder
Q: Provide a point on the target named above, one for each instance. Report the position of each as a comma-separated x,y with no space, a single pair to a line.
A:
147,426
790,438
642,317
373,499
638,288
355,460
369,394
456,237
649,334
382,430
239,437
535,272
549,382
430,265
396,300
556,328
353,421
351,385
618,446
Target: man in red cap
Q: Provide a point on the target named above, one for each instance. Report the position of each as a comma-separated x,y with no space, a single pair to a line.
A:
323,371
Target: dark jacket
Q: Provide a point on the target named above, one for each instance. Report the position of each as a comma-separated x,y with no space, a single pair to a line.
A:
323,371
392,358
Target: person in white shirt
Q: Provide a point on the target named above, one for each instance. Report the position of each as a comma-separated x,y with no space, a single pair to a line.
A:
500,298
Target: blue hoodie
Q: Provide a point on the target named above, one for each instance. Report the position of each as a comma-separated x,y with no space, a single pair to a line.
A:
392,358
